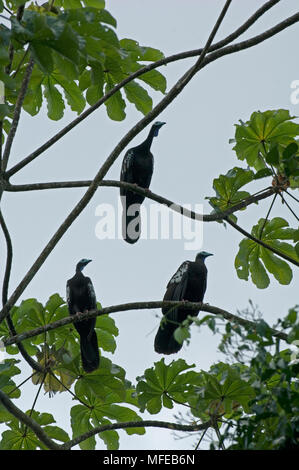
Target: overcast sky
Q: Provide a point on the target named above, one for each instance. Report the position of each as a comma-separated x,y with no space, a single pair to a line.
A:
191,149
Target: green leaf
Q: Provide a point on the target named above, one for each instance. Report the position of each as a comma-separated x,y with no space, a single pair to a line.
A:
262,173
161,380
150,54
227,188
54,101
115,104
95,3
72,93
257,260
272,156
138,96
256,137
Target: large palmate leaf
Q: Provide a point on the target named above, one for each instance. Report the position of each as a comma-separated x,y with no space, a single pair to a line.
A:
21,437
223,389
257,261
102,392
163,382
227,188
255,138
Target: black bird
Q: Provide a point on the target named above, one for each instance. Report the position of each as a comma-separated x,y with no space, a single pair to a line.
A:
137,168
188,283
81,297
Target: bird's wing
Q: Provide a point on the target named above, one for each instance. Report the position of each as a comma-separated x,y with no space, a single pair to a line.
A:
127,167
91,294
176,289
68,295
180,275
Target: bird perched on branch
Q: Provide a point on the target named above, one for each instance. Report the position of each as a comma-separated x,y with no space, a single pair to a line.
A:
81,298
188,283
137,168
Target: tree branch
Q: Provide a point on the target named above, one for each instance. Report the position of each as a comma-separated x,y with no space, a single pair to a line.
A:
265,193
48,442
31,423
138,73
173,93
217,216
17,113
196,306
136,424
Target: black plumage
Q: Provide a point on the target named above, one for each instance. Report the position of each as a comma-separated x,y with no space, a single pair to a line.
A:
188,283
81,298
137,168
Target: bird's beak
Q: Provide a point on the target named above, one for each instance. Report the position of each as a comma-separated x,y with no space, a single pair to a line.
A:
209,254
88,261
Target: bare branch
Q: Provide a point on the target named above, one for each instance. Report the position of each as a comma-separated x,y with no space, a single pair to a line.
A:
138,73
17,113
196,306
253,199
137,424
173,93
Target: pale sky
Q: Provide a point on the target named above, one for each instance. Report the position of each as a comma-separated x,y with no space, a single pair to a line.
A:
191,150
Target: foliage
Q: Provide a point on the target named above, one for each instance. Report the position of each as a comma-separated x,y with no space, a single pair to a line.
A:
267,143
77,58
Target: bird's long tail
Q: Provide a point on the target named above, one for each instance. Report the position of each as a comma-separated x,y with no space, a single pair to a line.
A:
131,224
165,342
89,351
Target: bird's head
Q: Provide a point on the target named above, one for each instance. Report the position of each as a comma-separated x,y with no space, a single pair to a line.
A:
203,255
156,127
82,263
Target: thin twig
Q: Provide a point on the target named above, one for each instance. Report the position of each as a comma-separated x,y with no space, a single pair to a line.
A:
291,195
289,207
68,390
22,383
267,216
34,401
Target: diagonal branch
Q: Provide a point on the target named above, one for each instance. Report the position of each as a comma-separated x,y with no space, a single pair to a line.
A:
138,73
28,421
17,113
196,306
173,93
